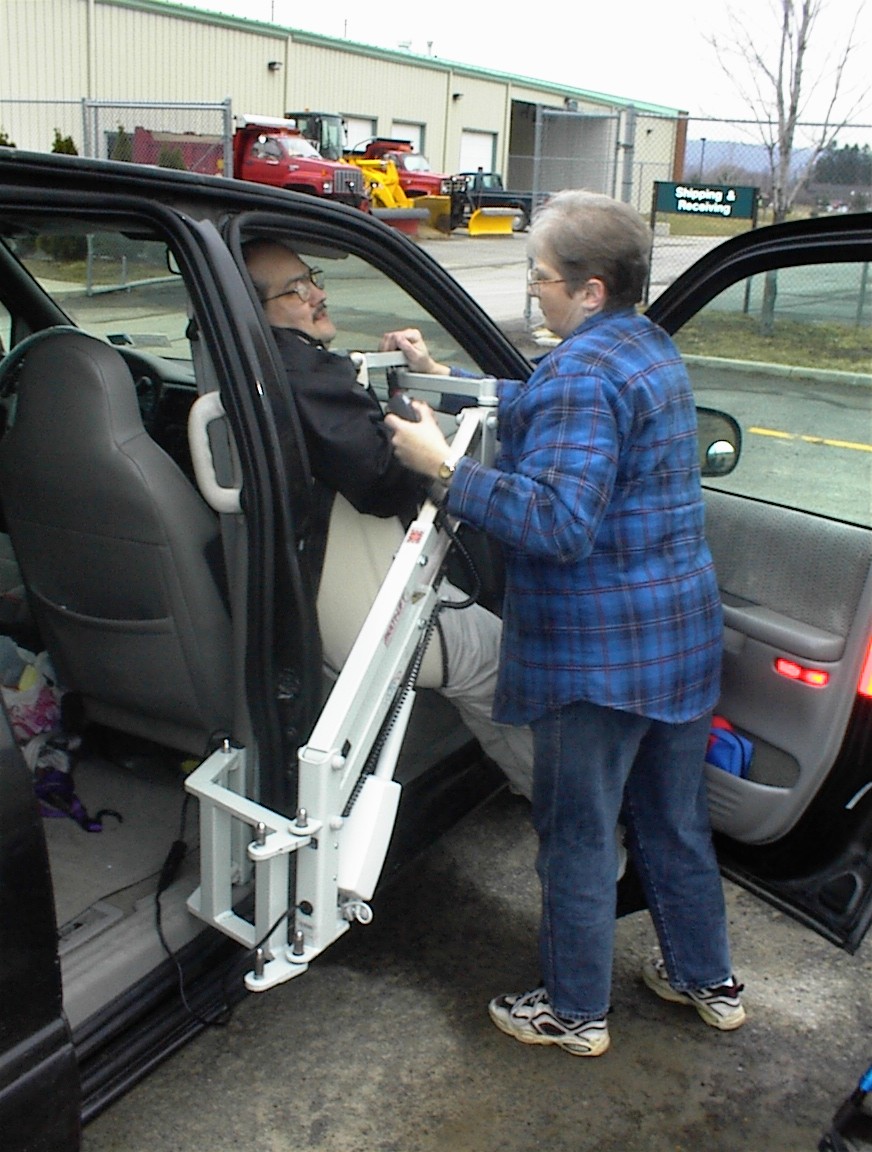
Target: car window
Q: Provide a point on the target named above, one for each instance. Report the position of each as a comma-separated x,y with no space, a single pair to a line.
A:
789,354
5,328
114,286
266,148
365,303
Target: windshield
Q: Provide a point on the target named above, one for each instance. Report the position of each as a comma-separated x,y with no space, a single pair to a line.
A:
412,162
115,285
299,146
324,131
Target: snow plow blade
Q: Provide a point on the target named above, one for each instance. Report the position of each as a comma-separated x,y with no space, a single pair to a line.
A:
438,208
492,222
407,220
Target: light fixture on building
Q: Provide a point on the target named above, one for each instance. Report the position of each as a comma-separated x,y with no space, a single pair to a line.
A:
455,96
274,65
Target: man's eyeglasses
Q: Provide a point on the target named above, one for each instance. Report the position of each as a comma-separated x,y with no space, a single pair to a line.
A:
300,286
535,282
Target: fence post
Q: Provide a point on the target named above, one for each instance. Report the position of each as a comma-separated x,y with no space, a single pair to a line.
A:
228,137
86,128
628,147
537,181
861,295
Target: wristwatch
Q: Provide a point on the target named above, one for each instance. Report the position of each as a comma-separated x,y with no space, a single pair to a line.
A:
446,472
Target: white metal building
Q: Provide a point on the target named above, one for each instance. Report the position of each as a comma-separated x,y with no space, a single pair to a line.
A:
56,54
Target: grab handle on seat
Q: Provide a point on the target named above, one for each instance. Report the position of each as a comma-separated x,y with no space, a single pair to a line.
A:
206,409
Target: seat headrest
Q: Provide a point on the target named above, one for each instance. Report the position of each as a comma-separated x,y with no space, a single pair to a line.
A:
75,381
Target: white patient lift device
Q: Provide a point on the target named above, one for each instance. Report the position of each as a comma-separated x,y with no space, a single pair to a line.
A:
347,799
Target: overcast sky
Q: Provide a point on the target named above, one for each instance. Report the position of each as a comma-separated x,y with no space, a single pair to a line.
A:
656,51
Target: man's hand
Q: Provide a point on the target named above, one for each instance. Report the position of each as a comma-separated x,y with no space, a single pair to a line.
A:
420,446
410,342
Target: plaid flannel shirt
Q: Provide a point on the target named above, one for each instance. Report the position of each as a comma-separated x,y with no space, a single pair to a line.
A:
611,594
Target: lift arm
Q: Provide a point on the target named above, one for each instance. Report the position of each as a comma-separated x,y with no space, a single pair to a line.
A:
348,798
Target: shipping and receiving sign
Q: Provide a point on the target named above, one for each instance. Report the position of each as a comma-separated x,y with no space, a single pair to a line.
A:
733,200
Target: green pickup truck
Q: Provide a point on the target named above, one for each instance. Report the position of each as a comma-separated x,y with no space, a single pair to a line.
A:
485,190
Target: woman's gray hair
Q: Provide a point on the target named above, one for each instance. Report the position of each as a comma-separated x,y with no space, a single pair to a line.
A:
585,234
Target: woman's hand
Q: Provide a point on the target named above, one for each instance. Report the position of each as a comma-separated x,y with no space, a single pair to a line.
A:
410,342
419,445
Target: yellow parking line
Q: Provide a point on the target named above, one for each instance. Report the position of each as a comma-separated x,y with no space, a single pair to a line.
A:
772,432
855,446
837,443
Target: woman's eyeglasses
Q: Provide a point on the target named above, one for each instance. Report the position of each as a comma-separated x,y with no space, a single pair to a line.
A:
535,282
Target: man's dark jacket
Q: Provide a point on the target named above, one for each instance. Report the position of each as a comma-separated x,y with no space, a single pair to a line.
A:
347,440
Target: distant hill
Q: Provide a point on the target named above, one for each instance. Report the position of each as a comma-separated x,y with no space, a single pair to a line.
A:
728,161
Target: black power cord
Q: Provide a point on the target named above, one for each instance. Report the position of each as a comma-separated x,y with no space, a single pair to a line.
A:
168,873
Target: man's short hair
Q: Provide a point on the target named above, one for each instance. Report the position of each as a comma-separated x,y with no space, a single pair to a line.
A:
251,251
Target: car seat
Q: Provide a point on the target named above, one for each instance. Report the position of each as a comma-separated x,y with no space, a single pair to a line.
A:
360,549
120,555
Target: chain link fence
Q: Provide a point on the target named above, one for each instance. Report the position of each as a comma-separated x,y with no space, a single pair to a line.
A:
696,181
734,152
32,124
731,158
194,137
619,153
188,136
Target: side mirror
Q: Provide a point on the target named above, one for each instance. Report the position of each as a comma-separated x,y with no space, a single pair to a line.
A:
720,442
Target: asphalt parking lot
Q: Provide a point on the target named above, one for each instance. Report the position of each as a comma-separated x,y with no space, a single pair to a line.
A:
385,1045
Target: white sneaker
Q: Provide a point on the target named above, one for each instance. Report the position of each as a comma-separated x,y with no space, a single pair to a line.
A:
529,1017
719,1007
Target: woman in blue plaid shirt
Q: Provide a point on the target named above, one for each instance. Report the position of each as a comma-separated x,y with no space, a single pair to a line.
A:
612,624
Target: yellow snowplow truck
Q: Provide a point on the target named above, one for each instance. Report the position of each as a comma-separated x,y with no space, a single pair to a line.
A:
398,178
392,203
387,199
383,183
443,205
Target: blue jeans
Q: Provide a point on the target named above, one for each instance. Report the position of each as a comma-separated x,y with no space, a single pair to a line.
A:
594,765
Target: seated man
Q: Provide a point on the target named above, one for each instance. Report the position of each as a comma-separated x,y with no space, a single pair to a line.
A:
350,453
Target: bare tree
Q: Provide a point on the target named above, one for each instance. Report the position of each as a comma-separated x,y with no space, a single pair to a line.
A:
776,85
774,81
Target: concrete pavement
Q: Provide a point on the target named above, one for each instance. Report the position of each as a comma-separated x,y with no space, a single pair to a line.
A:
385,1045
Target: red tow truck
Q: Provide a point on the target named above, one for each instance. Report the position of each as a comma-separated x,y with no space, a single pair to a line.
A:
270,150
266,149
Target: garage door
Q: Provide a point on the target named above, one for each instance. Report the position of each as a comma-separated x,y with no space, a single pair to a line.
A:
477,150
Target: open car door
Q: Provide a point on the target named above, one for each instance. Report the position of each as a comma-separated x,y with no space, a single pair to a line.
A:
775,328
